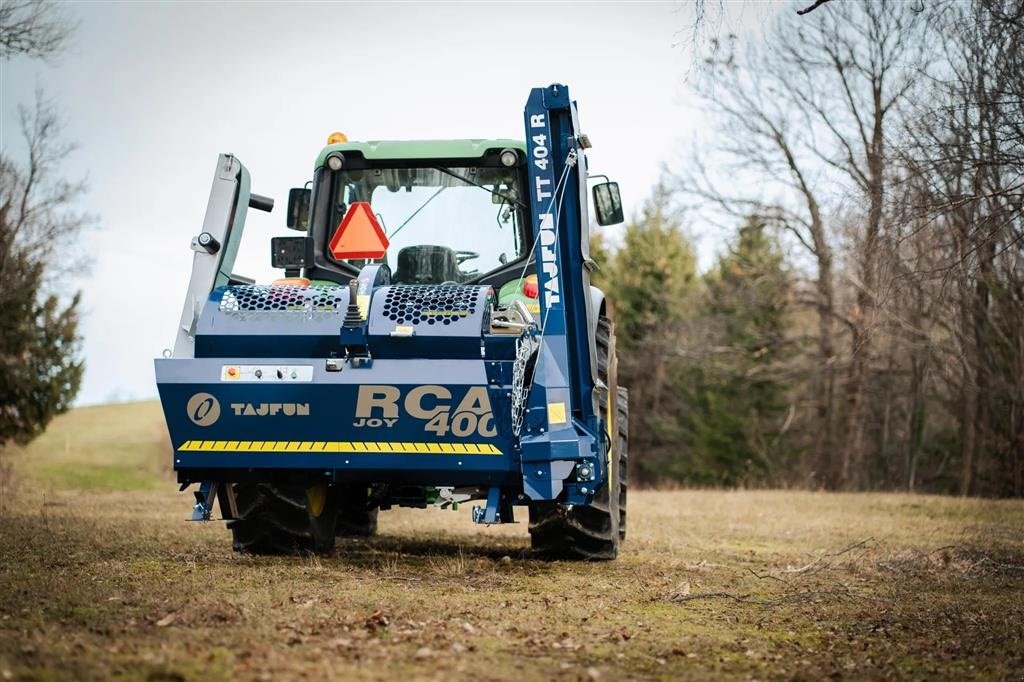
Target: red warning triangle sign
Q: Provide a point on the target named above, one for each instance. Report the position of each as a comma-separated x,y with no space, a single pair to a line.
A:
359,235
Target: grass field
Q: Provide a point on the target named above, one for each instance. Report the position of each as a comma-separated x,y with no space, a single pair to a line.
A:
101,577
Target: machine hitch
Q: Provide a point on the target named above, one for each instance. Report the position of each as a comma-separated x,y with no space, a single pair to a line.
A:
498,509
208,492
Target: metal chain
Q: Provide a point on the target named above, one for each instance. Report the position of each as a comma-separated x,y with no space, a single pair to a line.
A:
526,345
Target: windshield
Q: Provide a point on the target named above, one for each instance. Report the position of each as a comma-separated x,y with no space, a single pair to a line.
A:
444,224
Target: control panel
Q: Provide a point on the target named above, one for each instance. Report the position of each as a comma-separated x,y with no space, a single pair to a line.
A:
266,373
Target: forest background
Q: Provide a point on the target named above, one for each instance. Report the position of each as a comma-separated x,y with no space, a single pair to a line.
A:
864,327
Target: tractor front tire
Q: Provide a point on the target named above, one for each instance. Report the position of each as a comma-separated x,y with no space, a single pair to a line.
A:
588,532
284,519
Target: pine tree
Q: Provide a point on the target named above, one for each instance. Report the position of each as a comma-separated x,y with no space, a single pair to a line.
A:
40,372
655,273
737,401
652,282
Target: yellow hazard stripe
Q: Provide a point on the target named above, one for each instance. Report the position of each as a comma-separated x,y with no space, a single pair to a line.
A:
339,446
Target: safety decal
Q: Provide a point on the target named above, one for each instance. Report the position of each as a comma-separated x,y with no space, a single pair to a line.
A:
339,446
359,234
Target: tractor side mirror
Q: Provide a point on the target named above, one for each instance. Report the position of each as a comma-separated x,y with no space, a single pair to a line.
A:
607,203
298,208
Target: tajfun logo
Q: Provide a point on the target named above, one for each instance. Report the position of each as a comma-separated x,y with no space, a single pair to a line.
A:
203,409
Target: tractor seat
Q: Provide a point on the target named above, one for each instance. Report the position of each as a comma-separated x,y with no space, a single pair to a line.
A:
426,264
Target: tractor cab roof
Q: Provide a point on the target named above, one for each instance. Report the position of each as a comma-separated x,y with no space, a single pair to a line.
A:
419,149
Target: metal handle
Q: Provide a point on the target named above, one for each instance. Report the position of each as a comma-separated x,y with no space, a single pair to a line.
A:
261,203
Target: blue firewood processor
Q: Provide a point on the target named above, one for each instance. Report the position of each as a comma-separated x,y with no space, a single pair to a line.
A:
435,339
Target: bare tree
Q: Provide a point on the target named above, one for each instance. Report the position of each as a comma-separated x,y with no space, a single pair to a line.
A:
33,28
38,205
760,142
709,19
887,139
802,118
854,76
40,371
968,152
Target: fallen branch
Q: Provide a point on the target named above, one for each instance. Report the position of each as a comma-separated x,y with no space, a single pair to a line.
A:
987,560
830,555
761,576
791,598
743,598
702,565
939,549
643,585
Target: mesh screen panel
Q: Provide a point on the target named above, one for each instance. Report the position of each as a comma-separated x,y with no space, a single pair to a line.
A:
250,301
430,304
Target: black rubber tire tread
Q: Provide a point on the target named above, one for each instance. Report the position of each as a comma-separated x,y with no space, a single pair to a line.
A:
583,532
623,451
355,519
275,520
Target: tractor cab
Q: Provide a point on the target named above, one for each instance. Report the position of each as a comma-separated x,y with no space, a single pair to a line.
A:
432,212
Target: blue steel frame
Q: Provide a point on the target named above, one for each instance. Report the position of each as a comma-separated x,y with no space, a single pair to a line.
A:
565,381
436,372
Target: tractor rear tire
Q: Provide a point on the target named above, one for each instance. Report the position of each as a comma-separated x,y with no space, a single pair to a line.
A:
355,518
586,532
283,519
622,405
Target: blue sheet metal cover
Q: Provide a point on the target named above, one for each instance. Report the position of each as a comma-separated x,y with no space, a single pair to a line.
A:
441,419
257,321
429,321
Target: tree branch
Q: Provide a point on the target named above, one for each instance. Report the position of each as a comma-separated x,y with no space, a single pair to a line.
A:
811,8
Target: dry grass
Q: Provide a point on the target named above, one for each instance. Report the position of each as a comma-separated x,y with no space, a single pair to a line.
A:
101,581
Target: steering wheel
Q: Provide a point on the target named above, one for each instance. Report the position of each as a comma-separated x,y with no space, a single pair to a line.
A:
463,256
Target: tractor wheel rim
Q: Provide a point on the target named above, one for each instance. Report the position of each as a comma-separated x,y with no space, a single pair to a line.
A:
316,498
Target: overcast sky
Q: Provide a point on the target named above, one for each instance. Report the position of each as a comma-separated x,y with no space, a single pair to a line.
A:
153,92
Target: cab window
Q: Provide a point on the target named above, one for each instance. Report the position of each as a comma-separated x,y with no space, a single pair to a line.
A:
445,225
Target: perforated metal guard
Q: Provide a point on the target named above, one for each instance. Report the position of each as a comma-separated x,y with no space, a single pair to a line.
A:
425,304
252,301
